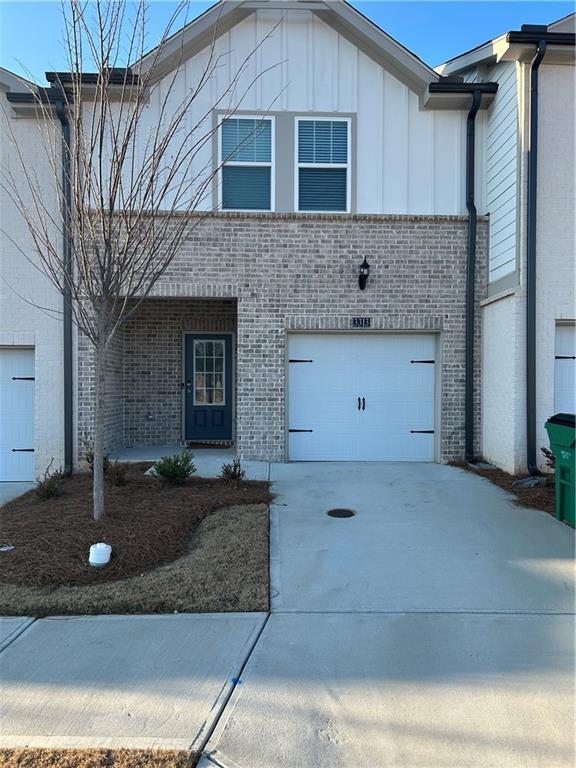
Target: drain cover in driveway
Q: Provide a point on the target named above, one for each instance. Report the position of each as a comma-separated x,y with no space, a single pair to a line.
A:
341,513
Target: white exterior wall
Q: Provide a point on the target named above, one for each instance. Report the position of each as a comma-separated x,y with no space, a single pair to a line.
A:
504,319
503,376
23,324
408,161
556,232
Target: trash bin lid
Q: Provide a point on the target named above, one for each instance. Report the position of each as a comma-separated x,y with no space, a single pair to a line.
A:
564,419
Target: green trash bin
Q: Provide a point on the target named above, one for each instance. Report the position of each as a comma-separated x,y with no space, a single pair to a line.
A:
561,430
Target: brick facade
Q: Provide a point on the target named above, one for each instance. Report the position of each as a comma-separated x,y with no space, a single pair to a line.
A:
290,272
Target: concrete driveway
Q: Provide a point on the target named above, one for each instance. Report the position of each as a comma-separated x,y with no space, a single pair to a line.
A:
425,538
434,629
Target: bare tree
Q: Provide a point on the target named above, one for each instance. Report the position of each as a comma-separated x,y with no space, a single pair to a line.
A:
127,182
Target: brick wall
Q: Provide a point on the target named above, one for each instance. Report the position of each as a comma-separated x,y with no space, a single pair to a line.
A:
298,272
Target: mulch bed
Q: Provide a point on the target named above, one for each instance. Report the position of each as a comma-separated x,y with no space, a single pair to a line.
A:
96,758
147,523
541,497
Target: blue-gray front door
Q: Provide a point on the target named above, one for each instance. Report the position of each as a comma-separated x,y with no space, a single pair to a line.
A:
208,386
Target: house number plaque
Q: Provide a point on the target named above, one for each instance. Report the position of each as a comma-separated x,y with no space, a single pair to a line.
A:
361,322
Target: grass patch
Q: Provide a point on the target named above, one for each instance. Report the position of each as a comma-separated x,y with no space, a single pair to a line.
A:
96,758
200,546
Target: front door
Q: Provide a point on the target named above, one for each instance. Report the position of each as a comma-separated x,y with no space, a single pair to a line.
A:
208,386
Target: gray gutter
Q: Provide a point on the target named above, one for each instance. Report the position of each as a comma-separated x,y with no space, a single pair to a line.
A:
476,90
531,460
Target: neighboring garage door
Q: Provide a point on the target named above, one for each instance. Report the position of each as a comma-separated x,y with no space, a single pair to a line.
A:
565,369
16,414
361,397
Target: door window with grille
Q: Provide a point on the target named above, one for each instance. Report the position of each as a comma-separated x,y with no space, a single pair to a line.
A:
209,372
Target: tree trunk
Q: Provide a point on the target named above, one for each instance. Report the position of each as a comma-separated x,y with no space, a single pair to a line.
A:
99,424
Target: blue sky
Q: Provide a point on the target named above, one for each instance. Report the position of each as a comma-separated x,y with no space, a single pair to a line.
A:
30,36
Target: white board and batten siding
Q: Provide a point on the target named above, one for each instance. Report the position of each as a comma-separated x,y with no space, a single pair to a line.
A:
16,414
361,397
408,161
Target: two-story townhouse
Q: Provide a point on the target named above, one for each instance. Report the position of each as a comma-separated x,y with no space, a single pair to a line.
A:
266,331
528,317
261,332
31,328
330,309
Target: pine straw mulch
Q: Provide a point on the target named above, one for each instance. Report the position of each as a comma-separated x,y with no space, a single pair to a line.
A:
96,758
146,523
541,497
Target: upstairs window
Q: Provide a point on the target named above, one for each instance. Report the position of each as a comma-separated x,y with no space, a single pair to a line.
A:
323,165
246,152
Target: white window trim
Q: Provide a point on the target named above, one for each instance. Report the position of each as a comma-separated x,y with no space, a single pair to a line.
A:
347,165
271,164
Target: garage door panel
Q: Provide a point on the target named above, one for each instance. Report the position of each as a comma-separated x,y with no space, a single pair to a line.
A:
565,369
397,396
16,414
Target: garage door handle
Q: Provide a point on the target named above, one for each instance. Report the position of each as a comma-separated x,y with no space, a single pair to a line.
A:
363,404
22,450
358,403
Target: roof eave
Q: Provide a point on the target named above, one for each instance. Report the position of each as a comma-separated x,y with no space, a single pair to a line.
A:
516,45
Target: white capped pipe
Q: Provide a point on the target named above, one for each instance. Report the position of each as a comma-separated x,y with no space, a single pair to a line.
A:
100,554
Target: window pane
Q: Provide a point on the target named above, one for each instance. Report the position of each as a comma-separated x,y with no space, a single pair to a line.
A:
322,189
247,140
245,188
322,141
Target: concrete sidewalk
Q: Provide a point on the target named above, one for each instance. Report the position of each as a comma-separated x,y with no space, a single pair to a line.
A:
122,681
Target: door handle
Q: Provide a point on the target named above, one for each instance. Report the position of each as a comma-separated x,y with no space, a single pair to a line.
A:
363,404
358,403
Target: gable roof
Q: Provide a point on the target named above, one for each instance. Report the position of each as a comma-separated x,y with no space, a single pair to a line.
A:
10,81
338,14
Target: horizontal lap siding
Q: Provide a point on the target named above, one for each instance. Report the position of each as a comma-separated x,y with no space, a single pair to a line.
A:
501,152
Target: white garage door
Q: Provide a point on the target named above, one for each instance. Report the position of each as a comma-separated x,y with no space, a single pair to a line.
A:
16,414
565,369
361,397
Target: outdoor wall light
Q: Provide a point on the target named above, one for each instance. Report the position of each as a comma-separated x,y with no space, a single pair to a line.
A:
363,274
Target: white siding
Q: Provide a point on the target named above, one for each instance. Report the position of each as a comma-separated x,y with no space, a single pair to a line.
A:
556,226
501,158
24,291
408,160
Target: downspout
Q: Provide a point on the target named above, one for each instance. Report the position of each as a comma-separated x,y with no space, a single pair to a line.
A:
67,297
531,266
470,276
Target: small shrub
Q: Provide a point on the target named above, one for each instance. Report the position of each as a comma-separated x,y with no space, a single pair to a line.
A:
116,473
90,461
48,486
550,458
175,469
233,473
